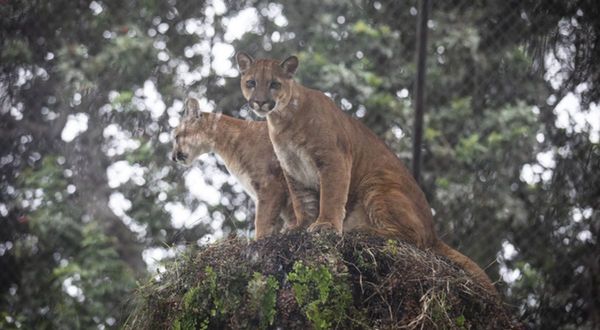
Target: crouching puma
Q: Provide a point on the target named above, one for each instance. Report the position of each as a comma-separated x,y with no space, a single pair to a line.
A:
246,150
334,164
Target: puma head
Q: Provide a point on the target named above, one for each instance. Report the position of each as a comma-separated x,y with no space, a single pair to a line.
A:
266,84
194,135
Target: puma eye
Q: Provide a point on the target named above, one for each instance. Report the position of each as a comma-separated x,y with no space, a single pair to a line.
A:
275,85
250,83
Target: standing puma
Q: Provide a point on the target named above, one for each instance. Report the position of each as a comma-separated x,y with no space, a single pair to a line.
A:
246,150
334,164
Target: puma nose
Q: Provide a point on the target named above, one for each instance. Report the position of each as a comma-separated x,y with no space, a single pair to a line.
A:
257,104
263,105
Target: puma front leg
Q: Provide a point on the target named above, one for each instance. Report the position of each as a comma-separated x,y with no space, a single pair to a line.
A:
267,215
334,177
304,202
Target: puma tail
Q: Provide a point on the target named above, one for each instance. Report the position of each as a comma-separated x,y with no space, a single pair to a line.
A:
467,264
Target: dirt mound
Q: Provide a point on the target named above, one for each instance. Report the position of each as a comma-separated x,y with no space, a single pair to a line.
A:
300,281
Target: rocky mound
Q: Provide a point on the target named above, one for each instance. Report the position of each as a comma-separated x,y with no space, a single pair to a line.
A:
322,281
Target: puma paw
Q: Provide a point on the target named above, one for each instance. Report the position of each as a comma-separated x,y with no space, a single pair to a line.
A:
292,228
322,226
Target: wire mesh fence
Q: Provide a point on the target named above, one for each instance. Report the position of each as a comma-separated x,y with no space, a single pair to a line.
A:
507,146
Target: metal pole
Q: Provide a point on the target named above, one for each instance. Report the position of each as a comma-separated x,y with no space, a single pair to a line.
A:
420,85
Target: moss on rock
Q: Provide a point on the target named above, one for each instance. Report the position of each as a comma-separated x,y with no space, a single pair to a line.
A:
300,280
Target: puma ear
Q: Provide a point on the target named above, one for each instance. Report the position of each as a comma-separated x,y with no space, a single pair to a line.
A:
192,108
244,61
289,65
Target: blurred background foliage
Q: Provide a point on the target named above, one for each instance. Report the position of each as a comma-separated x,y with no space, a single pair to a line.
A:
90,90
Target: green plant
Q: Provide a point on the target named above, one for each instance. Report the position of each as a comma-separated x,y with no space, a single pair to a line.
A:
391,247
202,302
460,321
323,298
262,292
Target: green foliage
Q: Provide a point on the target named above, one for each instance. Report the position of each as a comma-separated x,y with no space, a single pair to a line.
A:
323,297
460,322
469,148
15,51
202,303
262,293
362,27
220,297
141,154
188,321
391,247
439,308
84,277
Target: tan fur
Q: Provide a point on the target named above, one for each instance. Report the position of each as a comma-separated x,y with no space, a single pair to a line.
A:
334,164
246,150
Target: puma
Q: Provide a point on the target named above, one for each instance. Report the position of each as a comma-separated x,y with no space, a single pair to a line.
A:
247,153
333,164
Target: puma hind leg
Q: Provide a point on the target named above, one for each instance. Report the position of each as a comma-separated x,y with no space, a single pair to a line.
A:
389,215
